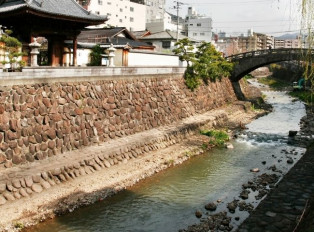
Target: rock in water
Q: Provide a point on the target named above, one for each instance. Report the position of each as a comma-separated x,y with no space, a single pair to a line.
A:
254,170
292,133
198,214
229,146
290,161
211,206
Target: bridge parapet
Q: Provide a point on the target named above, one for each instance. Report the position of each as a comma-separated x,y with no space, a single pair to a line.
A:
249,61
283,51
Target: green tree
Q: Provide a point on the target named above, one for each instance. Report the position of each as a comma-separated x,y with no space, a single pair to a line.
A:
12,46
95,56
184,48
210,64
205,65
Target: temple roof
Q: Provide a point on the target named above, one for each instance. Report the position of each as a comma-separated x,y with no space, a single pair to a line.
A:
66,9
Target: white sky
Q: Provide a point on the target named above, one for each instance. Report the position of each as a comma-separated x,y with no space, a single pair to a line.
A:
275,17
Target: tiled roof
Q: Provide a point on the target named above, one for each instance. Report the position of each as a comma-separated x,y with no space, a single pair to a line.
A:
67,8
163,35
100,35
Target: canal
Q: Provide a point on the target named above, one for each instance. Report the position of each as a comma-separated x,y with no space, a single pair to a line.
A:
168,200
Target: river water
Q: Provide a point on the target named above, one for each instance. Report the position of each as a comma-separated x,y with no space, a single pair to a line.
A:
168,200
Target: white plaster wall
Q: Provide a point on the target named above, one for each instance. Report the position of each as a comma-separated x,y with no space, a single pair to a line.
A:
149,59
83,57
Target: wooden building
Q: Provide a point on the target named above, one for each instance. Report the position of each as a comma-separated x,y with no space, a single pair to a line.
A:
56,20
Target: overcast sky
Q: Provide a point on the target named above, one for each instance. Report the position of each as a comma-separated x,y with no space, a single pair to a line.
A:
275,17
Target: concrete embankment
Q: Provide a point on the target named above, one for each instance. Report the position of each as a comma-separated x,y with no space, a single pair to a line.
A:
66,144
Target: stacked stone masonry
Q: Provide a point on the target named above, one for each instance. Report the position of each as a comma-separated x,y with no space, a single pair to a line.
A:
42,120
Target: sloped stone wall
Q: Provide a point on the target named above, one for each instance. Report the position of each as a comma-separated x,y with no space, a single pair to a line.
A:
41,120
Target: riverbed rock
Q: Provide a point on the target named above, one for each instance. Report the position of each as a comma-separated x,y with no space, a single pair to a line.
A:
244,194
290,161
293,133
229,146
198,214
232,206
211,206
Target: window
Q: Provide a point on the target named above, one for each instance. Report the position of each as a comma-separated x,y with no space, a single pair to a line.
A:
131,9
121,10
108,14
99,2
109,3
131,19
202,34
194,34
199,24
166,44
191,24
120,20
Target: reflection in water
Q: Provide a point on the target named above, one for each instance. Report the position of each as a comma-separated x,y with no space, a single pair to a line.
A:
168,200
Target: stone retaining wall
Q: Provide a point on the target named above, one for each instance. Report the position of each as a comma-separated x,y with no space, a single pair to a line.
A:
42,120
17,185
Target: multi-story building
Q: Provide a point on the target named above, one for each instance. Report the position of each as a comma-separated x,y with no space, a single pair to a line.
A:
255,41
155,9
288,43
228,45
198,27
168,22
120,13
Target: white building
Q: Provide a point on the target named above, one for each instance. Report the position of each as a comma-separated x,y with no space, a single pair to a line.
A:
154,9
121,13
198,26
288,43
164,24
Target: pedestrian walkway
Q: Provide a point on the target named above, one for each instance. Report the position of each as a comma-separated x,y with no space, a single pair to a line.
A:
281,210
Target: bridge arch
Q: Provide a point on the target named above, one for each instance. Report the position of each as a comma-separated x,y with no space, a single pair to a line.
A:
249,61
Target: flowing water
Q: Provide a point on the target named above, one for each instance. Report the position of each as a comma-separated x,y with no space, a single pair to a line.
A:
168,200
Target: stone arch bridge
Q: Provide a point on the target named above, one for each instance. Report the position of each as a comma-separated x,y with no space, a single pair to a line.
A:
249,61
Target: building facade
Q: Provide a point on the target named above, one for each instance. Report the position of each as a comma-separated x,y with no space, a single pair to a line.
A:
287,43
120,13
255,41
198,26
155,9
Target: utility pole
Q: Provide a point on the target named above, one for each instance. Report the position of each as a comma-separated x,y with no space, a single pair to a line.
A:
178,7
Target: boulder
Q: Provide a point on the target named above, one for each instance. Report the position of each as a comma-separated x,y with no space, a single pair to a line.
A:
198,214
211,206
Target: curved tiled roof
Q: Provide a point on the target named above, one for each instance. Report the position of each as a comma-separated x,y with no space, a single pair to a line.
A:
66,8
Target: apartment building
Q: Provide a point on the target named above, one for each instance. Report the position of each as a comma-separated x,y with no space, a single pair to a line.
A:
198,27
288,43
120,13
255,41
155,9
